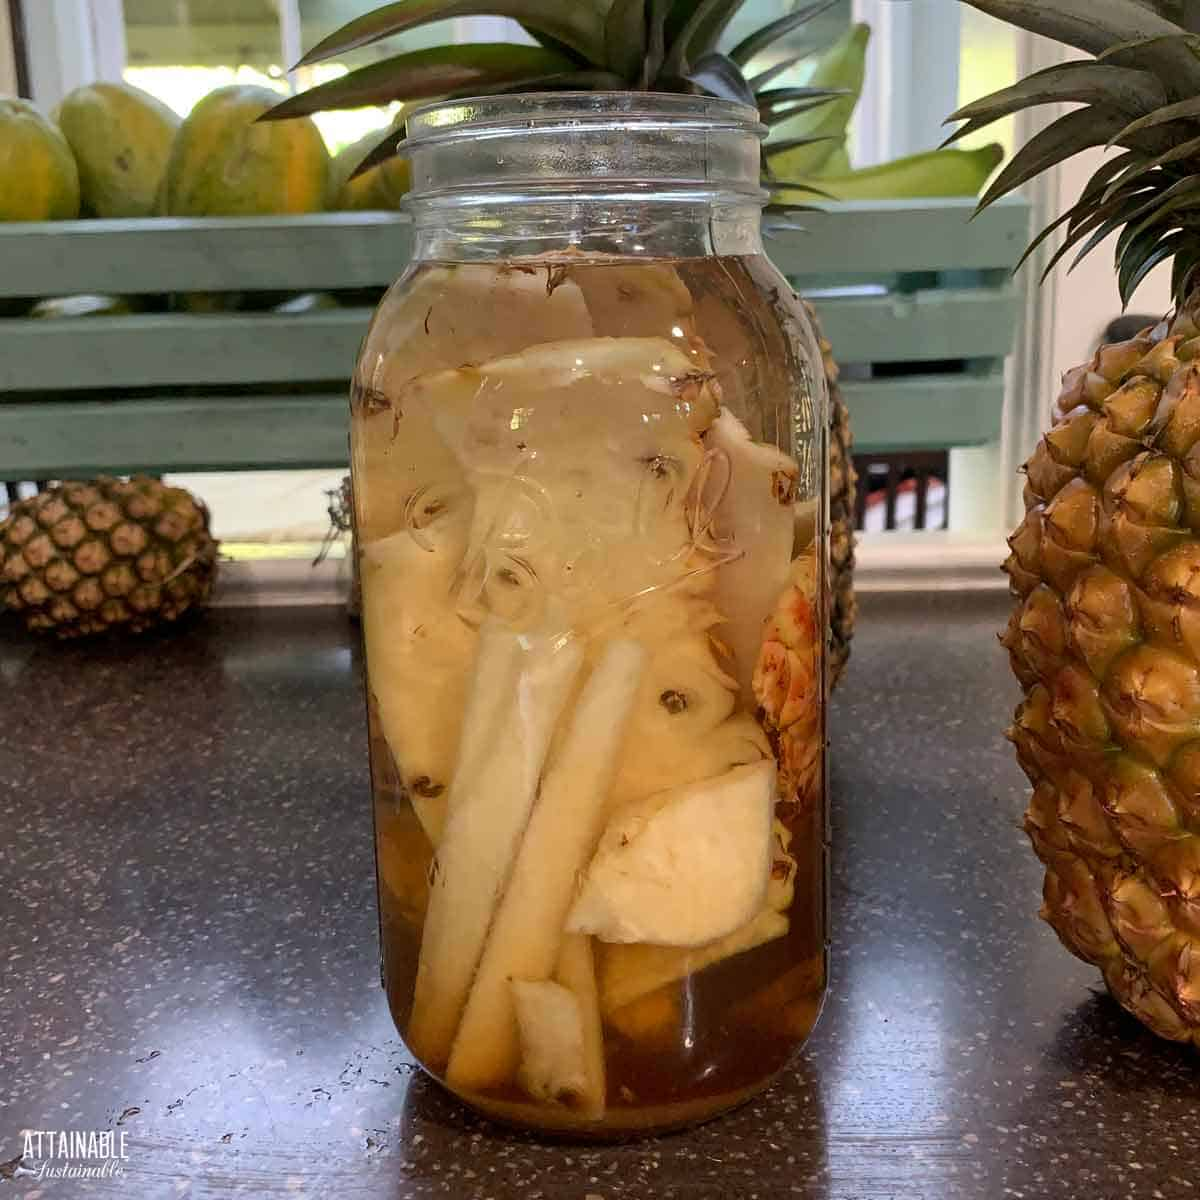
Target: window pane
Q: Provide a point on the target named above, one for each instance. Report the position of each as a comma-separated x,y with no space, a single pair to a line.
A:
181,51
988,62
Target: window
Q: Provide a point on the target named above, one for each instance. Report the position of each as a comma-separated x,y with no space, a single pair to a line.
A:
183,50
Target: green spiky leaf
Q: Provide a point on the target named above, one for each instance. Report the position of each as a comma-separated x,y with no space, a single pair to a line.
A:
1132,91
760,39
1076,234
773,149
1183,271
1174,57
774,107
1062,139
550,43
760,81
1044,234
1183,196
625,37
1120,210
698,34
788,94
785,112
656,40
808,97
1122,32
720,76
578,23
1091,25
799,185
420,74
1184,13
387,147
1143,49
1087,214
694,27
1146,168
1184,110
579,80
1143,256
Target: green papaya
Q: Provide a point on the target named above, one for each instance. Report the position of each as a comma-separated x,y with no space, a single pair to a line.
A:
121,138
38,177
223,163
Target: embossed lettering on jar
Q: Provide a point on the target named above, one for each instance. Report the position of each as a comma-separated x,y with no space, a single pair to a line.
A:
588,452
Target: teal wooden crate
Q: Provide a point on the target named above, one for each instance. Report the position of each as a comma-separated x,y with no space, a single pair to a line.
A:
915,299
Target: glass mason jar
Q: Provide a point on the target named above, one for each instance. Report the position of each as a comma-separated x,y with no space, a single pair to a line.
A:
589,447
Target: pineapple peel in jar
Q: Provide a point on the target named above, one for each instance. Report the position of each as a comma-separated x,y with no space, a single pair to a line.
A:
590,515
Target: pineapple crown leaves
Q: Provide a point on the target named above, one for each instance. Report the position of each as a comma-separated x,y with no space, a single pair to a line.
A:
1140,93
582,45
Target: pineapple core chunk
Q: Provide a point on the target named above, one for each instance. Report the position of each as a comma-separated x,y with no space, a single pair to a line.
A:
754,522
419,655
683,867
631,973
553,1056
580,455
635,299
433,322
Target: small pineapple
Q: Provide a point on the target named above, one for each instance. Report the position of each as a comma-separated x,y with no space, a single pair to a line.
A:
83,558
1105,567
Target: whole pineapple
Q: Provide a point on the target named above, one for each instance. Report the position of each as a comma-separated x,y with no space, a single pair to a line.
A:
1105,635
604,45
83,558
843,491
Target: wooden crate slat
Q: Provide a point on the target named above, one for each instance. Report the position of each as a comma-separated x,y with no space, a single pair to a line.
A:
970,316
296,253
74,437
345,250
158,350
925,412
161,349
890,236
82,438
926,326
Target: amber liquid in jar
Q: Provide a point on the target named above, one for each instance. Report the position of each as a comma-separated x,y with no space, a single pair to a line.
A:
593,604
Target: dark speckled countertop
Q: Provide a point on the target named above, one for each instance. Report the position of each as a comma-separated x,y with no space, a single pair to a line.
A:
188,950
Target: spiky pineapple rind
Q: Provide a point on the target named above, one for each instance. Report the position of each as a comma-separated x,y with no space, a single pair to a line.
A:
87,558
1105,639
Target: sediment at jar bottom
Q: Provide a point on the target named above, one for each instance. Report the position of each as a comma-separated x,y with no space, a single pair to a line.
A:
592,599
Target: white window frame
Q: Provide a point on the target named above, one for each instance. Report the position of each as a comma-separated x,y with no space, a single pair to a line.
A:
71,43
8,54
895,116
986,489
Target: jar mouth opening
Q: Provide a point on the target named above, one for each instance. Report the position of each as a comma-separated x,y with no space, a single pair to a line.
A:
446,120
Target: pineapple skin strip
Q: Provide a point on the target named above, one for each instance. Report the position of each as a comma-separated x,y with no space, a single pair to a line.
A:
567,820
495,672
487,812
577,971
493,682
